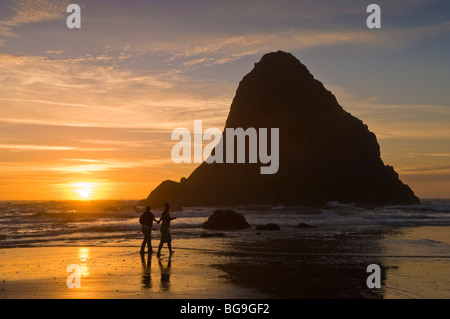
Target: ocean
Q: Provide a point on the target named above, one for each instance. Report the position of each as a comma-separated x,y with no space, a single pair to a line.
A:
116,223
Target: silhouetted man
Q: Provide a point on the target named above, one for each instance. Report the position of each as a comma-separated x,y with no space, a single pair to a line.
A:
146,221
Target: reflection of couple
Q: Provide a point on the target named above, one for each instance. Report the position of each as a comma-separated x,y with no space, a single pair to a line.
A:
165,272
147,220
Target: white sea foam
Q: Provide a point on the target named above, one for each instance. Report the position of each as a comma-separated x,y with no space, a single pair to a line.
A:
65,222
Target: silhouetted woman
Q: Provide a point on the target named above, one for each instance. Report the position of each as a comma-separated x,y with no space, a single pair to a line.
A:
165,231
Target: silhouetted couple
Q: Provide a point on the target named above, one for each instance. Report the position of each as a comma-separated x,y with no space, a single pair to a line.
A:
147,273
147,219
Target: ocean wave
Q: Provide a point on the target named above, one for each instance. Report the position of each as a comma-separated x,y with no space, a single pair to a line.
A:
44,223
427,205
73,215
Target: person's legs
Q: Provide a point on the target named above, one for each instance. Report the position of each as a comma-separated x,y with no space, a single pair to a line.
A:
147,234
144,242
161,243
164,238
149,242
169,240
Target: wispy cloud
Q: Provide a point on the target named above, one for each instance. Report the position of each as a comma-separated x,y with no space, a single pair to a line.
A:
98,92
31,11
208,50
29,147
393,121
441,169
89,166
234,47
429,154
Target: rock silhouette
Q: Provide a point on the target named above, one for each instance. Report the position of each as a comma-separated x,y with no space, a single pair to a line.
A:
325,153
226,220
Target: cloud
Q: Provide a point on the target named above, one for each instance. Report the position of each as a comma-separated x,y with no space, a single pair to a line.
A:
209,49
422,154
91,91
78,166
257,42
57,52
31,11
29,147
396,121
102,165
441,169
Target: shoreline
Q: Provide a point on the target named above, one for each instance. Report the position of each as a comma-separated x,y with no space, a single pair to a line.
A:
320,263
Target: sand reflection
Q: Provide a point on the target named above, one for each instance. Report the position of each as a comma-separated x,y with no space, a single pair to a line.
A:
146,271
418,265
83,256
165,273
164,270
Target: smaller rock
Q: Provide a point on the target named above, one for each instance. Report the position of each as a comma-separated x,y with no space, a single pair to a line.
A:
270,226
226,220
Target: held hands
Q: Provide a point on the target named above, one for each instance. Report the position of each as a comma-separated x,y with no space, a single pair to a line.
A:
159,221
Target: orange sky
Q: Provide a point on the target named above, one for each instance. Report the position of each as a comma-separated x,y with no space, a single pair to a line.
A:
88,113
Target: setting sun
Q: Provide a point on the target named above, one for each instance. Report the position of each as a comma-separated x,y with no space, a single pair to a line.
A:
84,189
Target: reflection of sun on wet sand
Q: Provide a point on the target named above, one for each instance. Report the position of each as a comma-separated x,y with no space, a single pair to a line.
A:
113,272
319,263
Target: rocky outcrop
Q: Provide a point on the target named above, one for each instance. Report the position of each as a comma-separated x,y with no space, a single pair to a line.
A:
325,153
226,220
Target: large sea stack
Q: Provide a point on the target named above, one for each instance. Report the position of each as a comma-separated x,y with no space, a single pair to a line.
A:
325,153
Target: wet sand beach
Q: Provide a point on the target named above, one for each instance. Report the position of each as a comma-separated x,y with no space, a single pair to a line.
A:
323,264
113,272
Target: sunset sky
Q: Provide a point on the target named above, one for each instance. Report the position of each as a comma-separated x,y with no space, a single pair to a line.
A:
88,113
